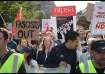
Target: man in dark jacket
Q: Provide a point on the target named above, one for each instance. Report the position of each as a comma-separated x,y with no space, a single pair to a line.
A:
65,52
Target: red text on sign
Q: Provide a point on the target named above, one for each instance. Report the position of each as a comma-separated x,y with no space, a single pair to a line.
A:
100,25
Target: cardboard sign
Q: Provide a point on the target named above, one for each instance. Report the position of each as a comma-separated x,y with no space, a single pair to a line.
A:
64,11
98,22
27,29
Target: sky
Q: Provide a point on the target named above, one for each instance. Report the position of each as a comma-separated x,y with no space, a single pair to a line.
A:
80,5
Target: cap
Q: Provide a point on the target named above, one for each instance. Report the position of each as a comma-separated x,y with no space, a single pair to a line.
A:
98,46
26,49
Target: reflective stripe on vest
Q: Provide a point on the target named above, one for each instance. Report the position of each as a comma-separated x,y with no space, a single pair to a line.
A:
15,62
91,67
83,58
12,64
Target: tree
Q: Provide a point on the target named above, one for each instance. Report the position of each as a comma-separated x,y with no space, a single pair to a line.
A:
32,12
9,9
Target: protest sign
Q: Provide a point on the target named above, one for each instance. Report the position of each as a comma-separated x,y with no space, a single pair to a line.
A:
50,23
66,19
98,21
63,11
27,29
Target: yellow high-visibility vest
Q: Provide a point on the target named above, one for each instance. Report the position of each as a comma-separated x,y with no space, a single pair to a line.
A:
13,63
87,69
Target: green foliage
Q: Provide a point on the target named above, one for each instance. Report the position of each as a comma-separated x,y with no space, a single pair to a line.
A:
9,10
30,12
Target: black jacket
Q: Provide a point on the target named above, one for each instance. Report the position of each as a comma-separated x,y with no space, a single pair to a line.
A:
41,57
61,53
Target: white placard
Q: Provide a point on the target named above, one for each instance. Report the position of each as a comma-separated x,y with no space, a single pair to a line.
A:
50,23
98,21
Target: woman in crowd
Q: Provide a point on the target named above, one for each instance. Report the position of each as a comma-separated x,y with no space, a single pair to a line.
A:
21,45
44,49
31,65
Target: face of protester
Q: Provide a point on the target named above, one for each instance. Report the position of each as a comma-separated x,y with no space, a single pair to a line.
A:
49,34
74,44
47,41
2,41
82,33
24,43
98,59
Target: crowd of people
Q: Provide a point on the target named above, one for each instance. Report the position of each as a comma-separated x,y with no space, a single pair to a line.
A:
82,51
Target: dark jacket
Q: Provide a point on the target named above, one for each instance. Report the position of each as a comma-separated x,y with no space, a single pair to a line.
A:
41,57
61,53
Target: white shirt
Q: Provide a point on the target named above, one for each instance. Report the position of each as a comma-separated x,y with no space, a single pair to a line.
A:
32,68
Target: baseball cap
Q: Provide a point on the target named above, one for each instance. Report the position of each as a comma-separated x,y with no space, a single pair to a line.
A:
98,46
26,49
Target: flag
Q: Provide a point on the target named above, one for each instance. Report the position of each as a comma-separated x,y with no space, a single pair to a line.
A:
19,14
14,30
18,17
